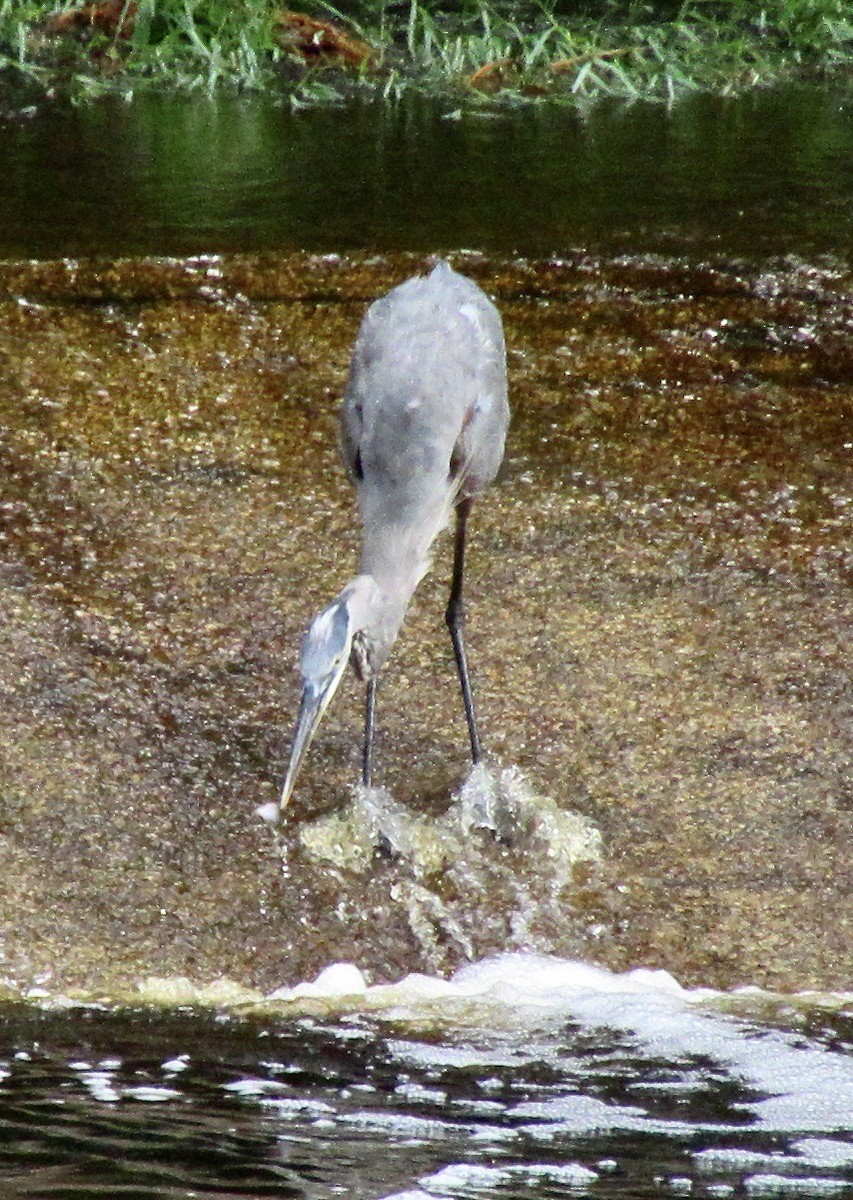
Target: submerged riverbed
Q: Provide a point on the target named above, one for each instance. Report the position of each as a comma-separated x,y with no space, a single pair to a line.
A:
660,614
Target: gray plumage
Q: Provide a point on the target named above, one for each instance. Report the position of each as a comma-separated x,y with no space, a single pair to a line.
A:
423,424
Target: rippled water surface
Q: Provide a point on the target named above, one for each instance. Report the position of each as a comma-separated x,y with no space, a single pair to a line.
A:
525,1077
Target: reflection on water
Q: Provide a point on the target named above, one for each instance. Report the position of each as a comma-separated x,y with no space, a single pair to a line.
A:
524,1077
770,173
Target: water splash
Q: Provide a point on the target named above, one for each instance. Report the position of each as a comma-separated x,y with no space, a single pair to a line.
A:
500,802
496,864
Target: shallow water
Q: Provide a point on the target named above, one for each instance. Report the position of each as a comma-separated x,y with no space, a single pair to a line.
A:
659,625
660,622
524,1077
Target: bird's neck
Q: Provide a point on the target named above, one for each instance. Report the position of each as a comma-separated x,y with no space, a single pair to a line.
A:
397,574
398,535
377,606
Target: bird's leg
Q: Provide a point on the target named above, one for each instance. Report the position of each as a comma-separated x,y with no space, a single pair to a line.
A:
455,618
369,709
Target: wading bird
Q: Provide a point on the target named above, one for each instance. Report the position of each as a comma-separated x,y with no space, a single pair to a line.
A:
423,423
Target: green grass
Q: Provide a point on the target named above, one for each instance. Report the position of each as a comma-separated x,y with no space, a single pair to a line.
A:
487,52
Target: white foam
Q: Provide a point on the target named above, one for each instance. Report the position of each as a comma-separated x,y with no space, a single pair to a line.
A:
252,1088
465,1178
787,1185
777,1169
735,1158
544,980
824,1152
151,1094
803,1086
335,982
551,1119
409,1194
297,1108
807,1087
402,1127
174,1066
101,1086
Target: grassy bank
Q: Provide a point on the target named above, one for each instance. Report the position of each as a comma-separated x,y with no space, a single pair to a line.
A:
576,52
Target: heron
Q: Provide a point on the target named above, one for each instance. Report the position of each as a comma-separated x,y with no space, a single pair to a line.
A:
423,425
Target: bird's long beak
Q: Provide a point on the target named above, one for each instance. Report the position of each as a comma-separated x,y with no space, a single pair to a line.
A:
311,709
315,701
325,654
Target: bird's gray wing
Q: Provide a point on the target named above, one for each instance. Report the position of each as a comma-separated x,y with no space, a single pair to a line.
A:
479,447
352,425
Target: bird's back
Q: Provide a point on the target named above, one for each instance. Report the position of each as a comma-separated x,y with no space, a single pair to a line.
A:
425,411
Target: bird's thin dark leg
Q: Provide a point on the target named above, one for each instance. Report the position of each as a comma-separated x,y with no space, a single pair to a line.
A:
369,709
455,618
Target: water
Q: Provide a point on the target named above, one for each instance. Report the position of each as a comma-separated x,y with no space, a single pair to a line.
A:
524,1076
660,628
771,173
666,561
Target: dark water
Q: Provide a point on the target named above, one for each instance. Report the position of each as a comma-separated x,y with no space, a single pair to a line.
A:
647,1100
771,173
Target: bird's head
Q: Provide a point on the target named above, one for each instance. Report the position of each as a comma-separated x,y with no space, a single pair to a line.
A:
349,630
